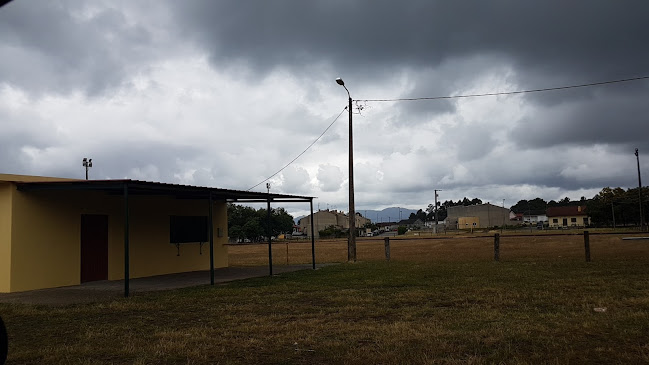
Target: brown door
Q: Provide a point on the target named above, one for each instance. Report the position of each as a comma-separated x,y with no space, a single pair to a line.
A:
94,247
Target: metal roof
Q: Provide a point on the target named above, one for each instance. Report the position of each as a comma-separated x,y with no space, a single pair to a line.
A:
137,187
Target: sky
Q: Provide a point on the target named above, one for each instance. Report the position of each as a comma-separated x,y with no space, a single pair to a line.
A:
226,93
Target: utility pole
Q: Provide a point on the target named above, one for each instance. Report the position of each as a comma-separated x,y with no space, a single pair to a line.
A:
637,157
436,190
613,211
501,227
529,215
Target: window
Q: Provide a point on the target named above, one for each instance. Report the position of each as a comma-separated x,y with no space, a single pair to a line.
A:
555,220
183,229
573,220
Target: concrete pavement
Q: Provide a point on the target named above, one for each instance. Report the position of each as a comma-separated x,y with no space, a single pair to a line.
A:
105,290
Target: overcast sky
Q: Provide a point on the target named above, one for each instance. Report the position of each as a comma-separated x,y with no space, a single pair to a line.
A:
225,93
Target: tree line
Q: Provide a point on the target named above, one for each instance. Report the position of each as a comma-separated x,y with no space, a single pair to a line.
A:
609,207
246,223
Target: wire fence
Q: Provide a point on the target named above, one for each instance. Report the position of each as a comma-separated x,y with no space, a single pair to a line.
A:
581,246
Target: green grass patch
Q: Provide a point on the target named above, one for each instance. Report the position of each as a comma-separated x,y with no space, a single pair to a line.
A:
373,312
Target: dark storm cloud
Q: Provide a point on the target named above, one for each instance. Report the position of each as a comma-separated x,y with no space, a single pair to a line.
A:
48,49
601,39
608,118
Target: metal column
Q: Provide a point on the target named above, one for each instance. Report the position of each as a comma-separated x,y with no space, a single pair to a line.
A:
126,242
211,225
312,236
270,249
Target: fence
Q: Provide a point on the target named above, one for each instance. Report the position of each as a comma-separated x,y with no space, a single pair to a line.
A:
556,246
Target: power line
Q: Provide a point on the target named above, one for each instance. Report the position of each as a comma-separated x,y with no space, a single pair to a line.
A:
514,92
455,97
303,152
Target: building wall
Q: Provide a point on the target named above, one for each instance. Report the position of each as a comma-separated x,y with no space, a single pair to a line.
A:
488,215
559,223
322,219
468,222
45,236
327,218
152,254
535,218
29,178
5,235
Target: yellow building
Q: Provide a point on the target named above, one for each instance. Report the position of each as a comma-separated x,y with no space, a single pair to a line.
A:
568,216
61,232
468,222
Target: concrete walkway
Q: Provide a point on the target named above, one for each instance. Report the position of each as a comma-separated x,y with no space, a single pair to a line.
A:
105,290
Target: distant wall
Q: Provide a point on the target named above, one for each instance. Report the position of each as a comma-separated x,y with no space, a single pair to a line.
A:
487,215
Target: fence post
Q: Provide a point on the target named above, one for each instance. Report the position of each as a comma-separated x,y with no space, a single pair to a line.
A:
587,246
497,247
4,342
387,248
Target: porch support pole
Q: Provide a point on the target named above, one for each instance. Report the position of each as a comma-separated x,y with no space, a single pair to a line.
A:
270,249
211,225
126,242
312,235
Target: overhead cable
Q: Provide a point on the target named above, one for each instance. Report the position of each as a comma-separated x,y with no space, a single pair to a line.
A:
513,92
303,152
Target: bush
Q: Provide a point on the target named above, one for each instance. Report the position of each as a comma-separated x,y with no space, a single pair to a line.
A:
402,230
332,232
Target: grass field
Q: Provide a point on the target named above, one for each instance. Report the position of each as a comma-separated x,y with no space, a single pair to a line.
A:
437,301
455,248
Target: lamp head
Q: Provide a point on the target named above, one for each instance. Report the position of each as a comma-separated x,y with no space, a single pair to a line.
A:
340,81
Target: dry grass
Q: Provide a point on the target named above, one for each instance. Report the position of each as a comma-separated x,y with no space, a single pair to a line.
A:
437,302
456,248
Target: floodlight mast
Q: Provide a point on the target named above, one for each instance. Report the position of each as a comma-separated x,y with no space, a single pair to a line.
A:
87,163
351,243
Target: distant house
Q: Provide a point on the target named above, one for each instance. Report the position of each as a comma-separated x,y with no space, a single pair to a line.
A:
327,218
534,217
387,226
570,216
411,223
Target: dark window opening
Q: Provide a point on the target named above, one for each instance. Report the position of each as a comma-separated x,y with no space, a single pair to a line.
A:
184,229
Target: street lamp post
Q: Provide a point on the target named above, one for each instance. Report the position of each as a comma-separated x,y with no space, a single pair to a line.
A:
351,243
87,163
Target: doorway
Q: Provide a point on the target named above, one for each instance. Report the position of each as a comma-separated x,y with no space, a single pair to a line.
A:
94,247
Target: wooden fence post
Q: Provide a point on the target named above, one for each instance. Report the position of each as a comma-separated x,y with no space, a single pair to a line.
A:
4,342
497,247
387,248
587,246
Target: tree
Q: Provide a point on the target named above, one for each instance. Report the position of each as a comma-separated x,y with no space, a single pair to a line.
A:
419,215
246,222
535,205
332,232
252,229
371,226
624,203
